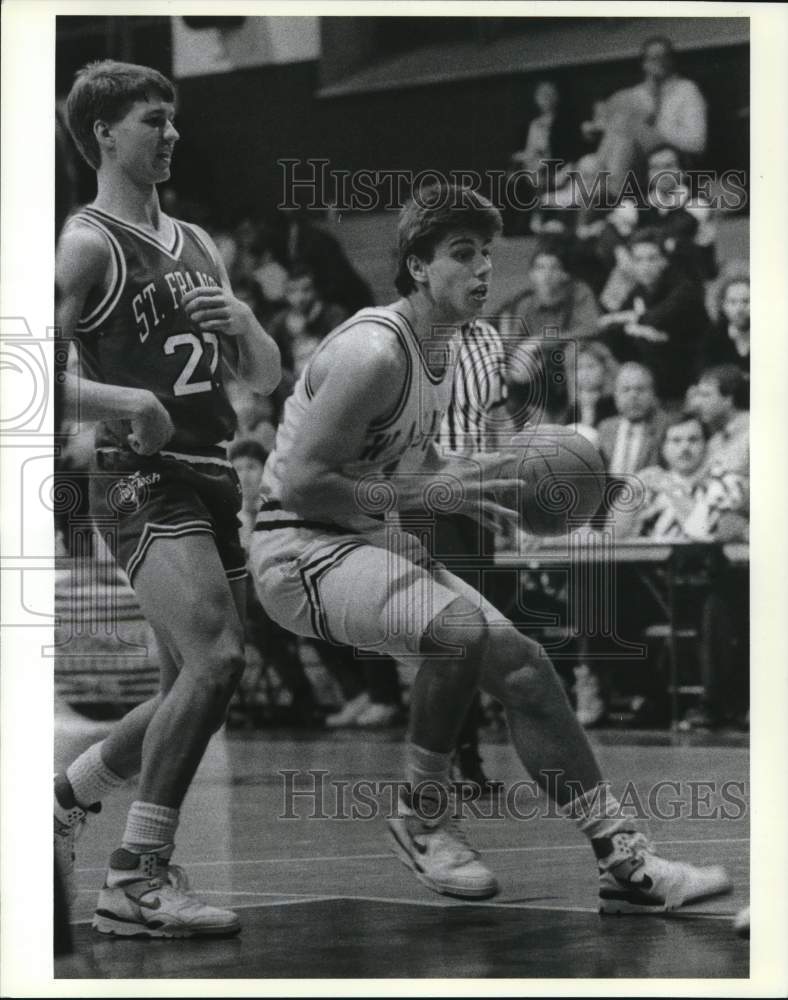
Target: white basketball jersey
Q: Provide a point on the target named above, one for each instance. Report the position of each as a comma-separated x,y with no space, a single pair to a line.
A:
395,443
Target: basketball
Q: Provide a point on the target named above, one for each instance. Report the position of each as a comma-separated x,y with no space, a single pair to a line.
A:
559,478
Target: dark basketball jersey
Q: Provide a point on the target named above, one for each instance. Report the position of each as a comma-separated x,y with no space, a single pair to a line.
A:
136,334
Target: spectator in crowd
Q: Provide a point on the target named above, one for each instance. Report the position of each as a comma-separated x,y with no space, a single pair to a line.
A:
684,220
550,146
603,255
551,135
306,320
268,272
662,321
630,441
728,342
540,327
683,500
595,381
664,108
688,497
719,400
300,241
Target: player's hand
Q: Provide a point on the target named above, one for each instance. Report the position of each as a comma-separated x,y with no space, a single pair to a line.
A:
151,427
215,310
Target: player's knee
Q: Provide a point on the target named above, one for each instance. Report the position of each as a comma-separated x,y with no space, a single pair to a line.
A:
528,684
460,632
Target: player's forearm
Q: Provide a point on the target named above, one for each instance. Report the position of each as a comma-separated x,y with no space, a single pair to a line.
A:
85,400
320,494
259,361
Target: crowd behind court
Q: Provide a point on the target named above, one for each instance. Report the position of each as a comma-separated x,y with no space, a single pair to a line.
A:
624,323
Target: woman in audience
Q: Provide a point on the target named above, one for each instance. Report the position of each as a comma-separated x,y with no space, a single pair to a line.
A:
594,380
728,341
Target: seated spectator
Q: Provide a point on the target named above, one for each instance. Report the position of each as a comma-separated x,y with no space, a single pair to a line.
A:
540,327
268,273
719,400
302,242
630,441
603,255
687,498
662,321
595,379
245,236
728,342
552,136
684,221
664,108
687,501
300,327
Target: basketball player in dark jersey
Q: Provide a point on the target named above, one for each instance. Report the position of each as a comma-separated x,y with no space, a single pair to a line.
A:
147,301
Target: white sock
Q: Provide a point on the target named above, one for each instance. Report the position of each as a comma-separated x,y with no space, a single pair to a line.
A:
428,772
90,778
597,813
149,826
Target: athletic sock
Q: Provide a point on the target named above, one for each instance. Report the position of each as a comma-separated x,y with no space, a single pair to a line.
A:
89,778
597,813
149,827
428,775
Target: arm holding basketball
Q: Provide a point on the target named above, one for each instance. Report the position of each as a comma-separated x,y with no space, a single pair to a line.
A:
355,380
81,265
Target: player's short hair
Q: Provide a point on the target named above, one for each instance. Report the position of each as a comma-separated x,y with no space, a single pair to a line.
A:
432,213
248,448
105,91
729,379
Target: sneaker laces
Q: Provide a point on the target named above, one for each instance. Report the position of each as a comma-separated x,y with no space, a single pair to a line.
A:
454,829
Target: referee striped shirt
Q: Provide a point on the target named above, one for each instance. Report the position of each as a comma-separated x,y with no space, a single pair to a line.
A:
479,390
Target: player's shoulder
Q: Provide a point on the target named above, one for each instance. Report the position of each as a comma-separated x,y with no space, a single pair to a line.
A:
80,232
369,341
83,251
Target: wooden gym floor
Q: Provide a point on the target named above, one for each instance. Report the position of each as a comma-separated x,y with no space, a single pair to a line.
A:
323,898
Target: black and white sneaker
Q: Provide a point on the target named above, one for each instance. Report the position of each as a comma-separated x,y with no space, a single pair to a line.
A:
440,855
633,878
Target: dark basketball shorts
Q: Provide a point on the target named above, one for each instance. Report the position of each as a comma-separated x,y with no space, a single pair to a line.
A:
136,499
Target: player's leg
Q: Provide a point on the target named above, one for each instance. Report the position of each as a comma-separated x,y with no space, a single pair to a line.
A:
182,590
555,750
347,591
103,767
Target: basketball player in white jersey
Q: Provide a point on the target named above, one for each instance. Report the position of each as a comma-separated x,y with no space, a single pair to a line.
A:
367,409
